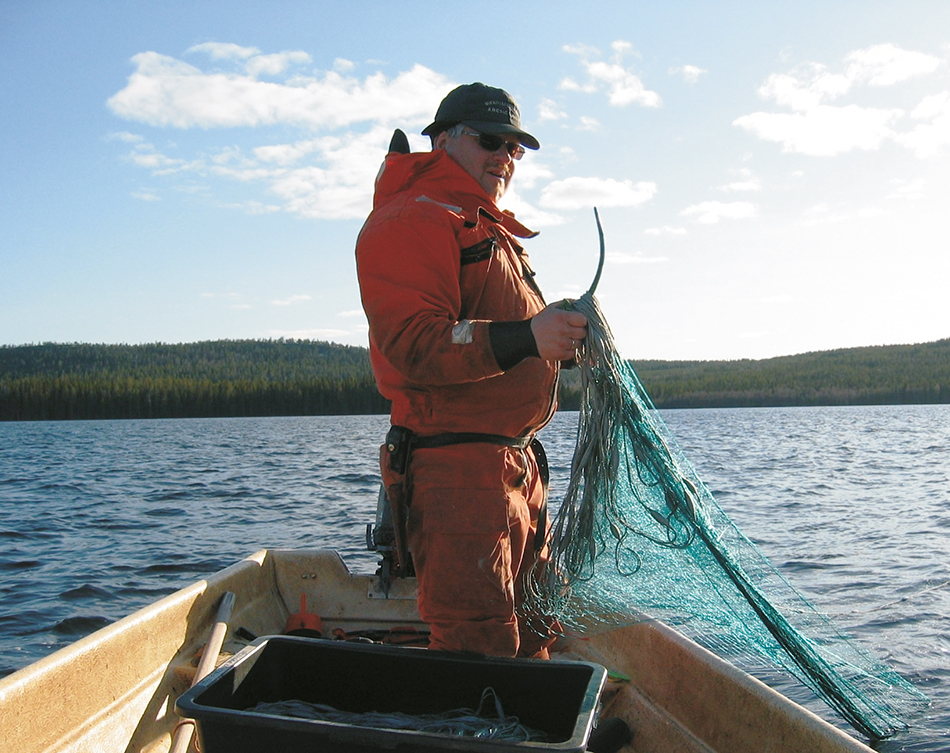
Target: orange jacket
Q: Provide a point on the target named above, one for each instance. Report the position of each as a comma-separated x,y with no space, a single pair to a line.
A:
437,261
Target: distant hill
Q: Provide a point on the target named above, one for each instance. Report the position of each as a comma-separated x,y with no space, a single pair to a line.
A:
304,377
881,375
217,378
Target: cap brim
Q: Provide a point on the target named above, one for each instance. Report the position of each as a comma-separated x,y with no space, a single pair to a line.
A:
433,128
486,126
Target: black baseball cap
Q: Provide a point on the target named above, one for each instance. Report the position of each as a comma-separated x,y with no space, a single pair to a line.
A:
484,108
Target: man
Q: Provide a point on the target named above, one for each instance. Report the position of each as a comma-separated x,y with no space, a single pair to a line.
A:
464,346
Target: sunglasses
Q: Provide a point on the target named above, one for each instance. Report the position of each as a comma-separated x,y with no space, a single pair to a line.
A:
491,143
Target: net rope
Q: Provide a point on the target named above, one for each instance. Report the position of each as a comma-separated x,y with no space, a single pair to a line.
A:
489,721
638,536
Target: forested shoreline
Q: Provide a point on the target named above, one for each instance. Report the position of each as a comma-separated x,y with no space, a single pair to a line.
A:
195,380
54,381
881,375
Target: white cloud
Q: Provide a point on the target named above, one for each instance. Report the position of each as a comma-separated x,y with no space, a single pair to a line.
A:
622,85
711,212
273,65
530,172
823,131
327,177
346,122
163,91
830,214
318,193
638,259
752,184
528,214
818,128
284,154
255,62
932,134
340,184
806,89
689,73
225,50
290,300
583,50
549,110
575,193
567,153
253,207
230,155
129,138
621,46
666,230
746,182
907,190
887,64
160,164
145,196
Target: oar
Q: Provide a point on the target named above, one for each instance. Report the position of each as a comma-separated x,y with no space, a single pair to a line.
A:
186,728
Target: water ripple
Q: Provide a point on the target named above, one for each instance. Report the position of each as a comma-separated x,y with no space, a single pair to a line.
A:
852,505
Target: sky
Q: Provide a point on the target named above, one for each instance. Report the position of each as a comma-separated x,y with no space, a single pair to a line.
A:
772,178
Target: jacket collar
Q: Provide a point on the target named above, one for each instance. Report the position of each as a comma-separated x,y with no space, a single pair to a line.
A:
441,179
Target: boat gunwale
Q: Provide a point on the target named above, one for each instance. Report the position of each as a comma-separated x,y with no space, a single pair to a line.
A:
278,575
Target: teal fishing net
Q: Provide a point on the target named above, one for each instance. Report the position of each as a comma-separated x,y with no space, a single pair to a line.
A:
638,535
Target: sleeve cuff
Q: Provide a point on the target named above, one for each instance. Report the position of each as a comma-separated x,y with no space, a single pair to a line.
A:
511,342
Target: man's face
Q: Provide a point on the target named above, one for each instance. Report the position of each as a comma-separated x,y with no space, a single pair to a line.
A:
492,170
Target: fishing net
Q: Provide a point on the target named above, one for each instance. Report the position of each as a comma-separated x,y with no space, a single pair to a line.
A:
487,722
638,535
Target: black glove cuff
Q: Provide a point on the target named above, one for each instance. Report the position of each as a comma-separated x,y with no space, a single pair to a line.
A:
511,342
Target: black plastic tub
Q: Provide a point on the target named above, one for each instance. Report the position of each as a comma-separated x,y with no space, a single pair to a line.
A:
557,699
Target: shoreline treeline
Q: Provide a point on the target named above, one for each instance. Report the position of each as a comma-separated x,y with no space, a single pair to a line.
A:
196,380
55,381
878,375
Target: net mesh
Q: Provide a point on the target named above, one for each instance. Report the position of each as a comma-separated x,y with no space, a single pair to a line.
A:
638,534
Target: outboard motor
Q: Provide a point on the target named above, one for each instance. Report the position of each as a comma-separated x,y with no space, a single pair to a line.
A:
381,538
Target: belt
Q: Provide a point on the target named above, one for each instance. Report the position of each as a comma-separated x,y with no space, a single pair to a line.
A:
416,442
469,437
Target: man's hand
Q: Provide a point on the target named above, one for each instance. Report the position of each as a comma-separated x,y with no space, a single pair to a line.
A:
558,332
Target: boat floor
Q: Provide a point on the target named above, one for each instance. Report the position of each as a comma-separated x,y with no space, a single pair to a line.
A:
115,690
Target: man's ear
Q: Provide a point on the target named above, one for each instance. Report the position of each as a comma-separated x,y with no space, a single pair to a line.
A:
439,141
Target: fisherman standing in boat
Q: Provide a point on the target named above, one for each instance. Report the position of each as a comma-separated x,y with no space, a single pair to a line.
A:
462,343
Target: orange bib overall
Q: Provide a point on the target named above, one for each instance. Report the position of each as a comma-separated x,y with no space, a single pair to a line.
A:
437,262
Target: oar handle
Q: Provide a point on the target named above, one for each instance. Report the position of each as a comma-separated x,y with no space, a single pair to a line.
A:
209,657
218,632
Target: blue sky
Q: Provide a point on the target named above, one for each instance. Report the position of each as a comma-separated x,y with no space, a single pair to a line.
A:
773,178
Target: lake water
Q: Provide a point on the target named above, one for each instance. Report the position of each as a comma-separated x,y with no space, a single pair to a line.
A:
100,518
